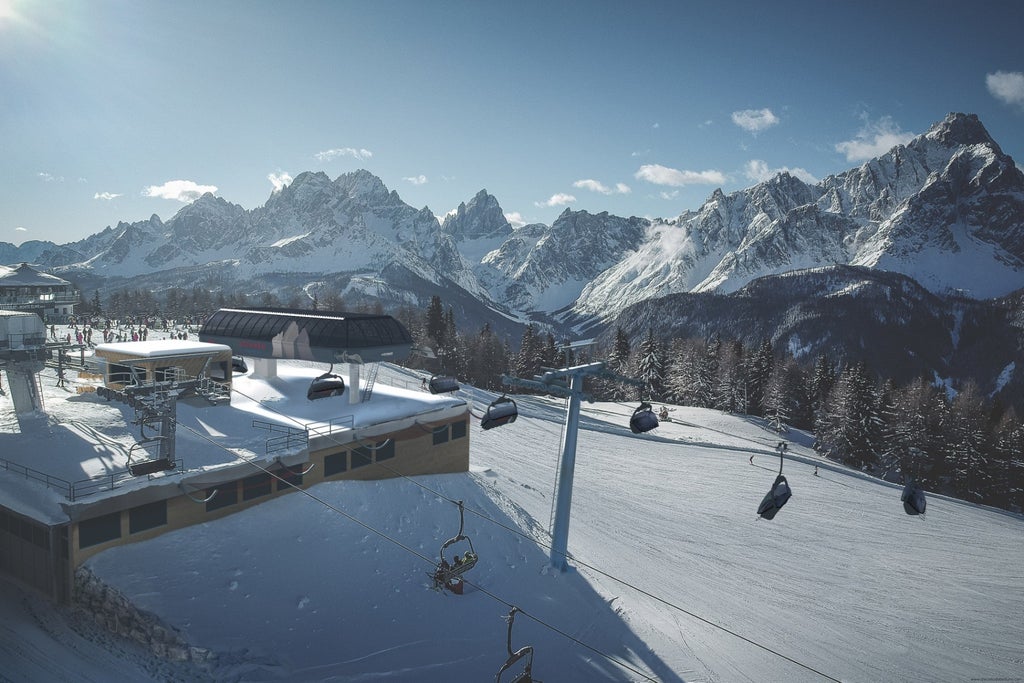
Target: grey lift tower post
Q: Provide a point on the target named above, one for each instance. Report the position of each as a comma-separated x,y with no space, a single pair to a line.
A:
566,382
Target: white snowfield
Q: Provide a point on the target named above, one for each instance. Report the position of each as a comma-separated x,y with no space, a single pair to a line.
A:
675,578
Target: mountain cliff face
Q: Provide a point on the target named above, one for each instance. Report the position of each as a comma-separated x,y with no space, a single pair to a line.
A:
947,210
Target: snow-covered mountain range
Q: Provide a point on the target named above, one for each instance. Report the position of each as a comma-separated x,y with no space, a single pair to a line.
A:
947,210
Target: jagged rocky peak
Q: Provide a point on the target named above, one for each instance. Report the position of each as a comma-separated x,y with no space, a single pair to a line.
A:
960,129
482,217
306,189
362,183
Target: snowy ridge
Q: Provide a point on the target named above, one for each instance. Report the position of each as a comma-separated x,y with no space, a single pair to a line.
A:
946,209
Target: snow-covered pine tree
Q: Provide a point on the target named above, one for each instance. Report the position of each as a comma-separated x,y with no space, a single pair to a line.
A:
650,365
850,432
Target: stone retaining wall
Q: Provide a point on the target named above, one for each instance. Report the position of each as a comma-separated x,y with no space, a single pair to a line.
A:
116,613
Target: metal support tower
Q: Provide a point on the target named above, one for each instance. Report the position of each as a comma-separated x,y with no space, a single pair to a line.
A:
565,382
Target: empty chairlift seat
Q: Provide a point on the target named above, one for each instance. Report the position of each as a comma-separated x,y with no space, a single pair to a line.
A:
238,365
914,502
775,499
443,384
326,385
643,420
500,412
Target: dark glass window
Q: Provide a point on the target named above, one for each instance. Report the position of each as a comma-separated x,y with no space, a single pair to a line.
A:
148,516
165,374
385,452
458,429
99,530
227,494
440,435
256,486
119,374
290,475
361,457
335,463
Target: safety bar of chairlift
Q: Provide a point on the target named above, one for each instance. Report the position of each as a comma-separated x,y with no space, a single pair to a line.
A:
513,657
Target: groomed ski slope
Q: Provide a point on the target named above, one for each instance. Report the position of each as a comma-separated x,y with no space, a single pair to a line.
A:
842,581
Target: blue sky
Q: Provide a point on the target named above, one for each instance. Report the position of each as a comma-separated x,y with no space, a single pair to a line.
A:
117,110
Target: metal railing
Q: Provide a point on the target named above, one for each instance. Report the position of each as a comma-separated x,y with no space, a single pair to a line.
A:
72,490
284,438
49,480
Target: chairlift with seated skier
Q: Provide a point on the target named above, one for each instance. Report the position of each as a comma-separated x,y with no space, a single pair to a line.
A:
524,654
644,419
501,412
327,384
448,574
443,384
779,493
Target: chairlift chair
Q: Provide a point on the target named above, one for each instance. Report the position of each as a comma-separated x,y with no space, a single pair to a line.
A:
643,420
913,499
446,571
146,467
777,496
501,412
525,675
238,365
326,385
443,384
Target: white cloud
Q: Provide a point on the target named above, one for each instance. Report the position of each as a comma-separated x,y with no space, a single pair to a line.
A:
559,199
874,139
663,175
671,194
417,179
755,120
361,154
1007,86
20,229
50,178
106,195
184,191
280,180
758,171
597,186
515,219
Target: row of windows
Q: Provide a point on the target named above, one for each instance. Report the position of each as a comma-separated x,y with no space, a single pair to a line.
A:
108,527
33,532
152,515
256,486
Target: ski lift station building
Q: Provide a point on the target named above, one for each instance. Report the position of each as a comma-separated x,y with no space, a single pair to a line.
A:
158,435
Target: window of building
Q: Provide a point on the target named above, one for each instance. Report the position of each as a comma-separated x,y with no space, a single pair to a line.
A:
361,457
168,374
256,486
99,530
148,516
440,435
291,475
335,463
227,494
458,429
119,374
385,452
